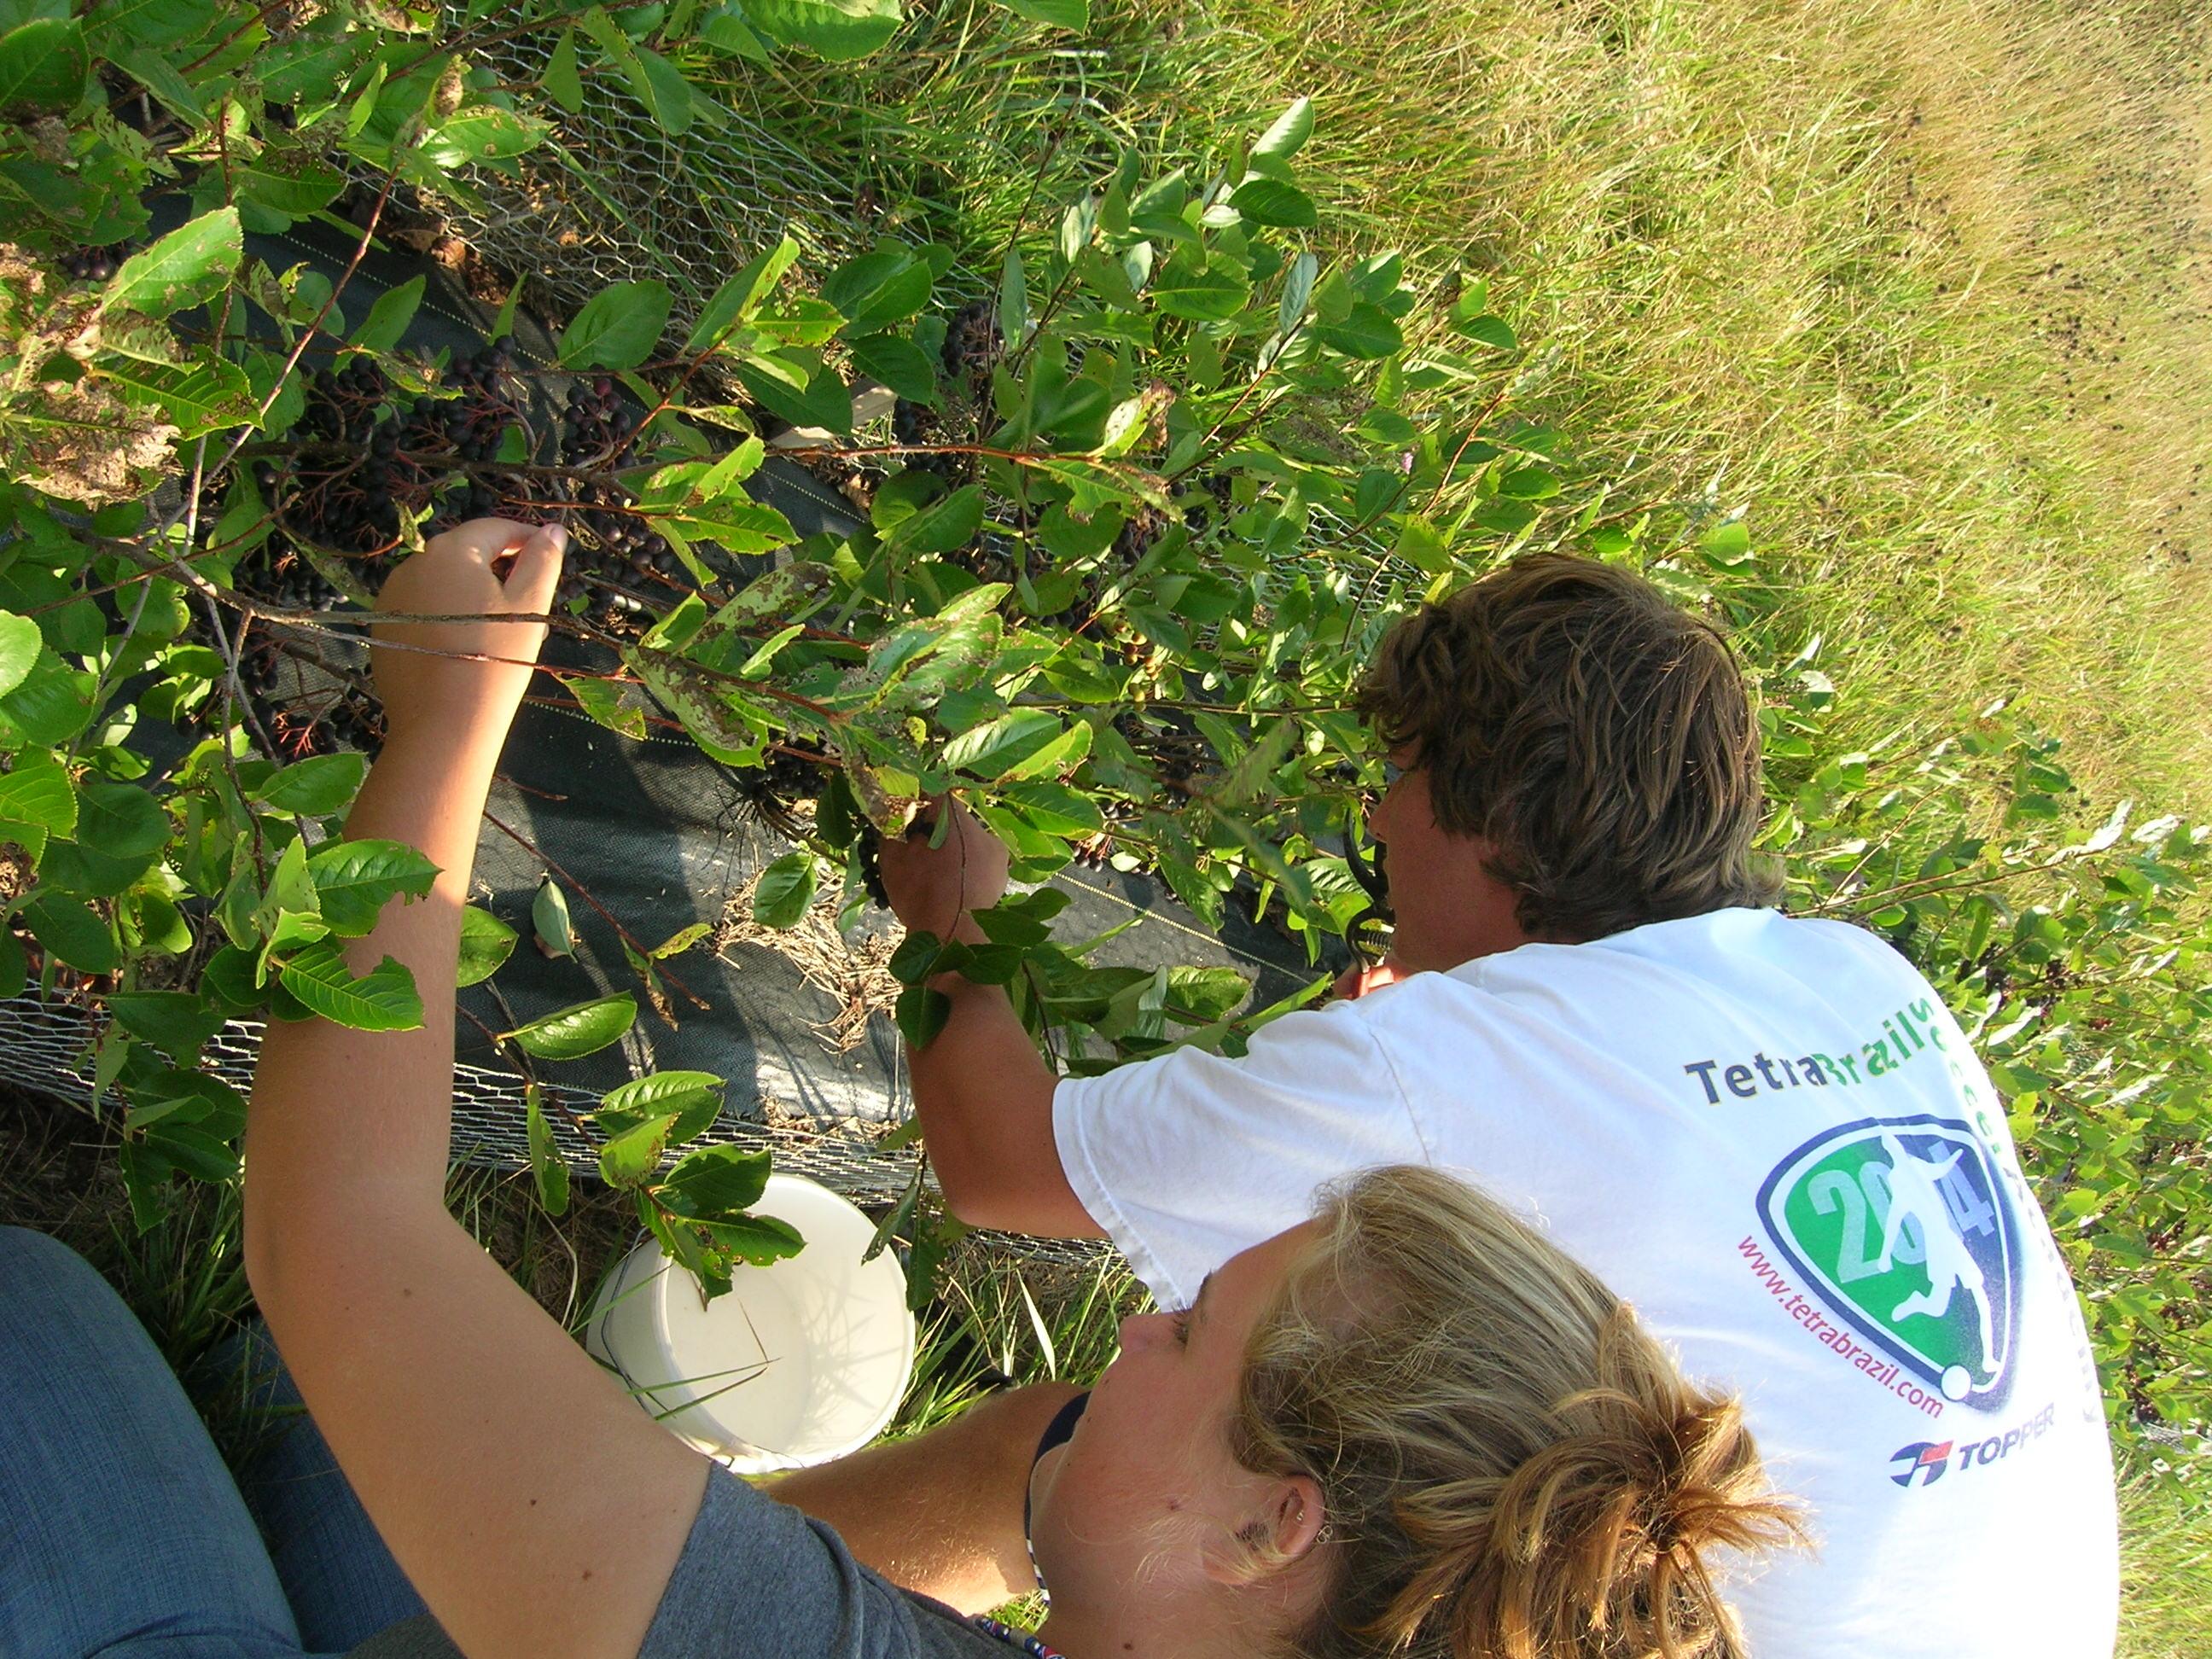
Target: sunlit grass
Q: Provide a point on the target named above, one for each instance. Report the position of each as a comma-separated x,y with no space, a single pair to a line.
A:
1921,290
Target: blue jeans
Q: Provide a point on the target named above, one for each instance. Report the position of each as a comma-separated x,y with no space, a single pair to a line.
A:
121,1530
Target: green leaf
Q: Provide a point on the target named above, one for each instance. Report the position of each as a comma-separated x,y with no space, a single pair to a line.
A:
785,888
1200,287
1298,292
1055,758
650,78
178,1096
43,64
1290,132
998,746
563,82
1530,483
194,1150
192,263
1014,300
314,788
921,1014
1728,542
1207,993
489,133
291,184
822,399
382,999
1272,202
898,362
354,879
1422,545
714,1181
837,29
1367,332
583,1028
53,705
387,320
121,829
153,23
736,299
36,796
486,944
1060,13
546,1165
630,1158
695,1099
199,397
69,930
660,86
1055,808
1489,331
756,1239
943,526
602,700
178,1023
877,288
19,649
618,327
548,917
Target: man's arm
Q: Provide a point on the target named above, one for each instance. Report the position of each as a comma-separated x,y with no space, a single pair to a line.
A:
982,1092
940,1513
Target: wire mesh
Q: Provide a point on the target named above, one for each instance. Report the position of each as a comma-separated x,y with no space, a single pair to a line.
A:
615,197
48,1046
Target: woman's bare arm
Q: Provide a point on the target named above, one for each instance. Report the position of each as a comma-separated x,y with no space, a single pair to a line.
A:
537,1510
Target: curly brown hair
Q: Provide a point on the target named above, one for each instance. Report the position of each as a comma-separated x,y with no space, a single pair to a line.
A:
1598,736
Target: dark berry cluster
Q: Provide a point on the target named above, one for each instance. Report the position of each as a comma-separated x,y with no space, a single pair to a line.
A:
793,769
301,718
279,573
915,423
1131,542
971,341
94,264
870,845
1171,742
449,439
623,551
338,491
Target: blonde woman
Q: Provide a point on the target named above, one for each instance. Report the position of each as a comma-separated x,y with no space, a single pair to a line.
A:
1408,1425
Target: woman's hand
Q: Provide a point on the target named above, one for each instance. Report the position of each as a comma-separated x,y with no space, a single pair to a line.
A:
460,696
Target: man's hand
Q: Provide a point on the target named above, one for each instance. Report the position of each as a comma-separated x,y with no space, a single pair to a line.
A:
456,695
931,888
1357,981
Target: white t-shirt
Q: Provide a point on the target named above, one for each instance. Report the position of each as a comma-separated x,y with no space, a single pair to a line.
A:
1771,1137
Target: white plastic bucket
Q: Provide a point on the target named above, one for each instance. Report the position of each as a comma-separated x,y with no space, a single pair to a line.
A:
804,1360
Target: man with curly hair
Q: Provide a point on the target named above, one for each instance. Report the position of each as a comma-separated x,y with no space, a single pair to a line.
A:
1593,1010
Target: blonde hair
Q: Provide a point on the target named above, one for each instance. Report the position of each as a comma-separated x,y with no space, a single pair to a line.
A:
1510,1467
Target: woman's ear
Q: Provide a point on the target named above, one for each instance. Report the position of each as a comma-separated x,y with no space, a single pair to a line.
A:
1285,1521
1300,1519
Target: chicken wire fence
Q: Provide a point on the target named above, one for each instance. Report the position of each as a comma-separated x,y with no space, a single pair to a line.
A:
616,198
47,1046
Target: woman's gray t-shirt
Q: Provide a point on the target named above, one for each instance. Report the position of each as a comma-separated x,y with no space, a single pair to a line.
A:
759,1580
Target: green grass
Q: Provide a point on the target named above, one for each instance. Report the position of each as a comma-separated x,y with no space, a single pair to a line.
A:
1920,288
2166,1564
